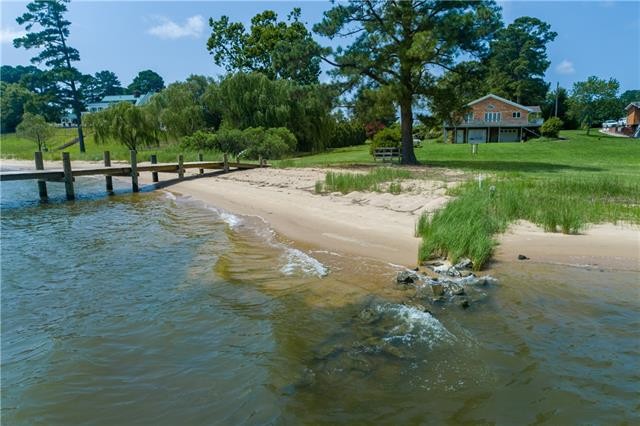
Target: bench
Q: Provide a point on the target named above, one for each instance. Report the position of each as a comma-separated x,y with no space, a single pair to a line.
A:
387,153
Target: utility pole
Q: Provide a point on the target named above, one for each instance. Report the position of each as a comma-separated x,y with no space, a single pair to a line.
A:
557,88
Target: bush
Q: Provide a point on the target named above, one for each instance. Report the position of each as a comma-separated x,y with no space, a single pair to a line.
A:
199,140
347,133
231,141
389,137
270,143
551,127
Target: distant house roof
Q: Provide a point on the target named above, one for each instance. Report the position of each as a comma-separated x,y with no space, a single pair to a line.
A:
144,99
119,98
632,104
507,101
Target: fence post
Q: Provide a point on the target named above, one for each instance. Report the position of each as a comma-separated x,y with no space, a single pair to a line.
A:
134,171
201,158
154,160
180,166
68,176
108,179
225,165
42,185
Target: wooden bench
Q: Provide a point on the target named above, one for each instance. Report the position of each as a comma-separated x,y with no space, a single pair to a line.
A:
387,153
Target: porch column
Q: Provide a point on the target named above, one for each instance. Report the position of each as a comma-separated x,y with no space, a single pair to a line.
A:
498,134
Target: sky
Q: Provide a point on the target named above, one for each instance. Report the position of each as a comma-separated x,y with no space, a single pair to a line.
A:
600,38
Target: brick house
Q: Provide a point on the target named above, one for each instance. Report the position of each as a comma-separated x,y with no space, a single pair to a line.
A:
495,119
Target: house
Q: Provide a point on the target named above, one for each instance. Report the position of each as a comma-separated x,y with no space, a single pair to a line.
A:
633,118
68,119
495,119
107,101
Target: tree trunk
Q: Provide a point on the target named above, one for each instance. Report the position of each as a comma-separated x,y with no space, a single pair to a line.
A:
80,133
406,124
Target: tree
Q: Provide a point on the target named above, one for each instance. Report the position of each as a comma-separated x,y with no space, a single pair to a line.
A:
51,41
594,100
125,123
549,107
375,106
401,46
185,107
629,96
35,128
277,49
146,81
14,101
108,83
253,100
518,60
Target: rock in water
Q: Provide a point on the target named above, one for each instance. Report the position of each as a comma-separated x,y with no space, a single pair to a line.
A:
522,257
407,277
464,264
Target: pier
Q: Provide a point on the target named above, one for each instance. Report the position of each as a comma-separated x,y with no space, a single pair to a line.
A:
67,174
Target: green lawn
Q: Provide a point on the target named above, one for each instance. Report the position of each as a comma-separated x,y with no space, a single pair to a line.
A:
14,147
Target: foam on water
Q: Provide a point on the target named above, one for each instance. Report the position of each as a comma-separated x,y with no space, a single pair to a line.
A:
300,262
415,326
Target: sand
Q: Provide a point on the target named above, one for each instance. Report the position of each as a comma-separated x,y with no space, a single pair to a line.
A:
381,225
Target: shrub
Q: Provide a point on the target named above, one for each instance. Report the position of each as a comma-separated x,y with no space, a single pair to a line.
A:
270,143
199,140
551,127
347,133
389,137
231,141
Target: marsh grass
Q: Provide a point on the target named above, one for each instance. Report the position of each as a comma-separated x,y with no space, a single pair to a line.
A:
467,225
370,181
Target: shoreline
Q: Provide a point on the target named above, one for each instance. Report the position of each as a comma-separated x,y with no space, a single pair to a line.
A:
381,226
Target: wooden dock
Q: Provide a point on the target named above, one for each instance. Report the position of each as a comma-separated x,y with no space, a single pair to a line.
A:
67,175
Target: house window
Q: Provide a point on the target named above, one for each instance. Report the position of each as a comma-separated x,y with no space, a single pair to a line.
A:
492,117
468,117
516,114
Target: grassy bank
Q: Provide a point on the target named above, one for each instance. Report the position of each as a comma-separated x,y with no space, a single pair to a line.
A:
13,147
370,181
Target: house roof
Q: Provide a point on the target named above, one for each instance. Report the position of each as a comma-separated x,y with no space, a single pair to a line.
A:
119,98
632,104
507,101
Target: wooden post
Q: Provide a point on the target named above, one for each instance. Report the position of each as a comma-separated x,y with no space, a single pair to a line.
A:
68,176
134,171
201,158
42,185
225,165
154,160
260,160
108,179
180,166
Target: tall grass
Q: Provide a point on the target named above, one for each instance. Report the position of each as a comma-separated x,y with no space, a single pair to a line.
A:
467,225
348,182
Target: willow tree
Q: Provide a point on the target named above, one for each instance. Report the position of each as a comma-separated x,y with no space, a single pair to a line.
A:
35,128
132,126
404,45
51,40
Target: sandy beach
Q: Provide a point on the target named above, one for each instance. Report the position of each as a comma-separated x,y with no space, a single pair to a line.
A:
381,225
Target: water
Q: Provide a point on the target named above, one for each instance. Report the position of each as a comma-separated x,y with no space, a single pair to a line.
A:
155,309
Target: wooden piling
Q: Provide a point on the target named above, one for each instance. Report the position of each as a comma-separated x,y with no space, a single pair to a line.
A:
154,160
180,166
225,160
260,160
68,176
134,171
108,179
42,185
201,158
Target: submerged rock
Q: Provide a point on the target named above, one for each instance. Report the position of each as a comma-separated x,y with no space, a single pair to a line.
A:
464,263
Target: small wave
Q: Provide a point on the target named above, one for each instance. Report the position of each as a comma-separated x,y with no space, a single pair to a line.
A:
229,218
298,261
415,326
169,195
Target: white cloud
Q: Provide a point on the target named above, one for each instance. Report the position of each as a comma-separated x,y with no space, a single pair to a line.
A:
167,29
7,35
565,67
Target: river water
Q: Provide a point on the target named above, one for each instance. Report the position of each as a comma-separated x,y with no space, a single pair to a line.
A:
156,309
